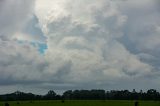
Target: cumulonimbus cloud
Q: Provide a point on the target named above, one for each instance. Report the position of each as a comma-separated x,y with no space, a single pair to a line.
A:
84,35
90,44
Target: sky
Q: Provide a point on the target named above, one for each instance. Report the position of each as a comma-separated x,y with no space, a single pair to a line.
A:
79,44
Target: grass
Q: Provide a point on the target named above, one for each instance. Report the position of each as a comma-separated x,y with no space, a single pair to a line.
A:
83,103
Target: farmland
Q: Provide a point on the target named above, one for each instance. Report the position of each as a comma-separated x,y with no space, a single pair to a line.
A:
82,103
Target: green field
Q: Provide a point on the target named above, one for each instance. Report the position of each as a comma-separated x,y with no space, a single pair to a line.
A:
83,103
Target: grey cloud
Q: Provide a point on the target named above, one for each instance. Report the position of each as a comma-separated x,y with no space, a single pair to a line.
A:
32,32
141,30
19,62
89,39
13,14
90,44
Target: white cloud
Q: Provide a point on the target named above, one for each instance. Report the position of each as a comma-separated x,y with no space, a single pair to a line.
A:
19,62
86,46
84,35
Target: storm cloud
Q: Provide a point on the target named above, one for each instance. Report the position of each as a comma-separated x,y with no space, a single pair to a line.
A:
106,44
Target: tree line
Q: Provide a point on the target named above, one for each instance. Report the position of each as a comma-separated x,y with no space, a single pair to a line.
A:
151,94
